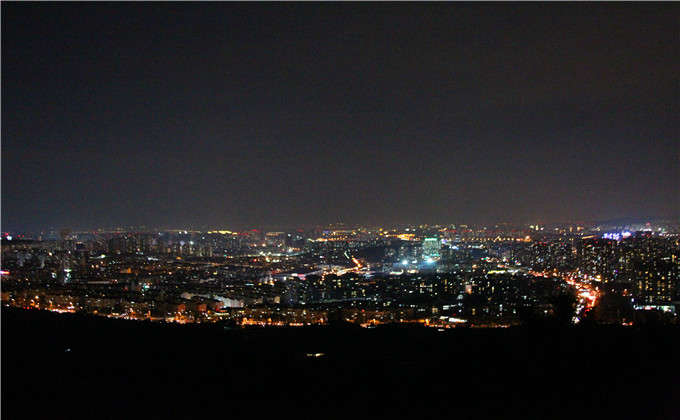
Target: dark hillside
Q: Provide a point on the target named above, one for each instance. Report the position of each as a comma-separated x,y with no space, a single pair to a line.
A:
82,366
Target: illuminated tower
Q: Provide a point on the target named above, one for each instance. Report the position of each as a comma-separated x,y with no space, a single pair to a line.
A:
431,249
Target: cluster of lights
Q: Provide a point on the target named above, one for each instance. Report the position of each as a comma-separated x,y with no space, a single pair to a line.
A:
616,236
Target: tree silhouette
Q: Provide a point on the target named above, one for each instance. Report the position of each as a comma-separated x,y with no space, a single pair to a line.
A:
564,306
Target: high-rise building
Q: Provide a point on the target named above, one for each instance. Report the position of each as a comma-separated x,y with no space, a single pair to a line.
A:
431,249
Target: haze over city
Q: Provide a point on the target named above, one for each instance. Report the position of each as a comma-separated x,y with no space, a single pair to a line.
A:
243,114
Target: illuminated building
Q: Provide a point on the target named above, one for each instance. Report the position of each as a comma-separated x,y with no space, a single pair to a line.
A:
654,270
596,258
431,249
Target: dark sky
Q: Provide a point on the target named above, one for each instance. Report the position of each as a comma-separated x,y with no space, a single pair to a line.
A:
236,114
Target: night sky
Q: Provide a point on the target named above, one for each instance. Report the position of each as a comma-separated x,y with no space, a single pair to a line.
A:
229,115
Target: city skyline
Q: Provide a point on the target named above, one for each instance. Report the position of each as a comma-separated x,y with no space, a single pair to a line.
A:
628,224
249,114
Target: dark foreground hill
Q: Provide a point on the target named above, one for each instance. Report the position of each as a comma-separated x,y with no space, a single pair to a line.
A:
81,366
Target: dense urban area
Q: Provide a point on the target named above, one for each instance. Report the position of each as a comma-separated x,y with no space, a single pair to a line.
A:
437,276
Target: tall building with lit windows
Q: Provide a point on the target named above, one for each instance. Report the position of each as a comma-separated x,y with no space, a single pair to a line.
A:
596,257
431,249
655,271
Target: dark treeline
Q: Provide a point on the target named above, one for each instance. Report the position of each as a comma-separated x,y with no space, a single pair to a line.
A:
83,366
